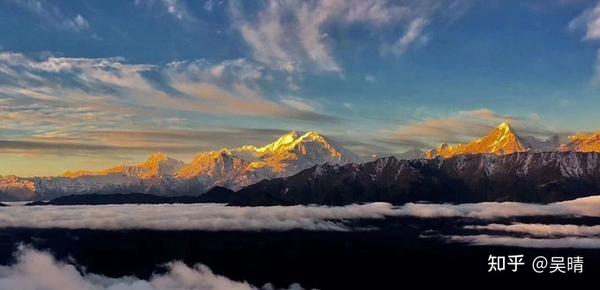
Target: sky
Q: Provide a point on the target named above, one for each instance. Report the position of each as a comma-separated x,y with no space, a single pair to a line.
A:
91,84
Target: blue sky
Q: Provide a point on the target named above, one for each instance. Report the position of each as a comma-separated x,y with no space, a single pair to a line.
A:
97,83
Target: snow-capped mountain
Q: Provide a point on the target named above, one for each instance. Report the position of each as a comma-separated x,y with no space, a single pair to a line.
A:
583,143
157,165
500,141
288,155
160,174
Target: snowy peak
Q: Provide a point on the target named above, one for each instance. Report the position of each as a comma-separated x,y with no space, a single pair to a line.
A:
280,144
157,165
500,141
160,164
583,143
287,155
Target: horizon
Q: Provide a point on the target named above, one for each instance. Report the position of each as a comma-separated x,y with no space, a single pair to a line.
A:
91,85
300,134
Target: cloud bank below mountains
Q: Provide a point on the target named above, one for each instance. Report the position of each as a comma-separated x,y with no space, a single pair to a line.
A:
36,270
207,217
490,240
219,217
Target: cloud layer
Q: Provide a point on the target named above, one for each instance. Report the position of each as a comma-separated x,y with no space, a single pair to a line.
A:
488,240
53,103
209,217
541,230
216,217
36,270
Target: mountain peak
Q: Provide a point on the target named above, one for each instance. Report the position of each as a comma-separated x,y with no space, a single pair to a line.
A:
502,140
583,143
284,140
157,157
505,128
156,165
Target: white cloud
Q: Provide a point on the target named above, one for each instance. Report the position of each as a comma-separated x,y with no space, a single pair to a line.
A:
35,270
588,206
175,8
78,23
53,15
370,78
589,21
210,217
209,5
292,35
34,91
215,217
541,230
488,240
412,35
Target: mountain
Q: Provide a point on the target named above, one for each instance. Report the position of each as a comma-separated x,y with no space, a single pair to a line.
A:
163,175
288,155
414,153
500,141
583,143
523,176
157,165
215,195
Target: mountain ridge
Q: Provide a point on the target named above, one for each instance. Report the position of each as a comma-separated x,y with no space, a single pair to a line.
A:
501,140
163,175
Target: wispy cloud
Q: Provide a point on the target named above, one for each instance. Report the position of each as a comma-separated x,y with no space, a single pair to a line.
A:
53,97
293,35
34,270
53,15
175,8
588,21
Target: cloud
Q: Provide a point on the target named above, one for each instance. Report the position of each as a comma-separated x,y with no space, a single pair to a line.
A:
175,8
215,217
487,240
540,230
293,35
232,87
209,217
78,23
53,15
589,21
588,206
59,96
412,35
462,127
34,270
209,5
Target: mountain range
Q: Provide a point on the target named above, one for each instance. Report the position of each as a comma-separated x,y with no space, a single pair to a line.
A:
163,175
246,168
500,141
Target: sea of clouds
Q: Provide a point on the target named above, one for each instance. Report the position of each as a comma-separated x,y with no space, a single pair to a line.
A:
36,270
219,217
